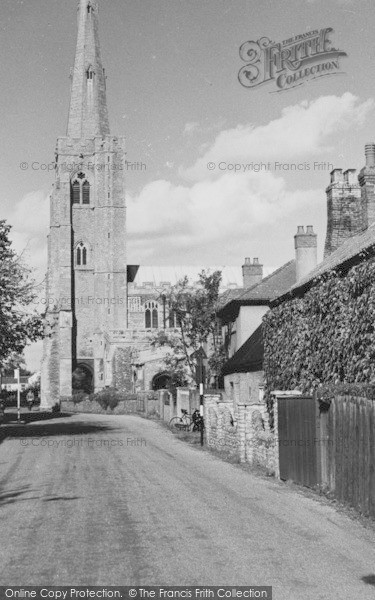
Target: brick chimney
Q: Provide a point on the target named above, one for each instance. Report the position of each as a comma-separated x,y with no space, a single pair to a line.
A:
366,180
344,209
305,244
252,272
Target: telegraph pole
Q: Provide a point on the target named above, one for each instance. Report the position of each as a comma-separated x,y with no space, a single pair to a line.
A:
17,374
201,357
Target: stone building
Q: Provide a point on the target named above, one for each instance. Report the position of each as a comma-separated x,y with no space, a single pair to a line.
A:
241,317
101,311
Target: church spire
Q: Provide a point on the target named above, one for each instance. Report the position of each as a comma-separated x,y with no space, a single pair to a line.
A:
88,113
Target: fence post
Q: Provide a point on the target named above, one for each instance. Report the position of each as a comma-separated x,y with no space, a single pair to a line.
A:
276,430
241,432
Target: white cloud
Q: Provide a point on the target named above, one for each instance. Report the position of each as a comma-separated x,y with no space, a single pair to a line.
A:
167,221
304,129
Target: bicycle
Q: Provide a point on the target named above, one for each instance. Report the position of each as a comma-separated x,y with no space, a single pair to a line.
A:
186,422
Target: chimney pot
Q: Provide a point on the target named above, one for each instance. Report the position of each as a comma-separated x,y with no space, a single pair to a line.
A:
349,176
336,175
310,230
252,272
300,229
370,155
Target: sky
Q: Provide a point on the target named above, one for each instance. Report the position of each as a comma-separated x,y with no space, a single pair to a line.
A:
173,92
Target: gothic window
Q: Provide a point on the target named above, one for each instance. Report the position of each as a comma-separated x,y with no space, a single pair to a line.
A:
80,190
86,193
151,315
81,255
172,319
89,8
76,192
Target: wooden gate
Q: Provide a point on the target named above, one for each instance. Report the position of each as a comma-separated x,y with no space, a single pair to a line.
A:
298,427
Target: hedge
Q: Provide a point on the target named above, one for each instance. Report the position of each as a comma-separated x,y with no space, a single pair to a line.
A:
325,337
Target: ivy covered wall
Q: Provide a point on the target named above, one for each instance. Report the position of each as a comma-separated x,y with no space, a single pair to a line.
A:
326,336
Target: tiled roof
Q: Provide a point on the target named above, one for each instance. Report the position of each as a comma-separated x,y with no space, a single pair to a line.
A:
229,295
273,285
347,254
249,357
280,280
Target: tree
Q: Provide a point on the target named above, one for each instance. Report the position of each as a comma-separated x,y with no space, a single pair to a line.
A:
194,308
19,324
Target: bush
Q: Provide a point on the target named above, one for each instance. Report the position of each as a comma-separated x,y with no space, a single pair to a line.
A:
108,398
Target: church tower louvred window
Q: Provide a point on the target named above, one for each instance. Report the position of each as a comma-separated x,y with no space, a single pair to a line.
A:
80,190
81,255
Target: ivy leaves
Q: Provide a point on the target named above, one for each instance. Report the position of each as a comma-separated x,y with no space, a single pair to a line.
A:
328,336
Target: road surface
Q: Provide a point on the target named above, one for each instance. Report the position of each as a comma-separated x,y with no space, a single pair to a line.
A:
102,500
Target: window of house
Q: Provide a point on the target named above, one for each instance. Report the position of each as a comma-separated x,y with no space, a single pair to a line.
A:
80,190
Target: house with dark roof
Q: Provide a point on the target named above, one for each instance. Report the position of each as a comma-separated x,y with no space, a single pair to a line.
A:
327,313
241,317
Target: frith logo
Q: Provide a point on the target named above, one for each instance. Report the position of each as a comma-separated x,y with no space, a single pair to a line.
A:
289,63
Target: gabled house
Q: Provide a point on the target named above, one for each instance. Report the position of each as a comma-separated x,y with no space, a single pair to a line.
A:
326,322
322,330
242,316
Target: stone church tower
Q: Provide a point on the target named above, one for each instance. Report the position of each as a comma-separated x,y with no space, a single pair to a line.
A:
86,278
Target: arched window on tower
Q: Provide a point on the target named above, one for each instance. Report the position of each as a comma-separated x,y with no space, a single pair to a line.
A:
89,8
85,192
81,255
76,192
151,315
80,189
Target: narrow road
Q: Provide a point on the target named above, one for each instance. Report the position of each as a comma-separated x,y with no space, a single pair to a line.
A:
97,500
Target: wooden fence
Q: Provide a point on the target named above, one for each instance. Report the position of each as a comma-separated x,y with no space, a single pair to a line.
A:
348,456
330,445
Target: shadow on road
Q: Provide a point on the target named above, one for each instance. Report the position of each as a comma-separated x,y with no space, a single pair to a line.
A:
18,495
14,496
48,425
369,579
59,498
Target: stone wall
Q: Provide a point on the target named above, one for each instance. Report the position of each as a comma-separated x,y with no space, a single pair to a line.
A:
222,431
241,431
145,403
